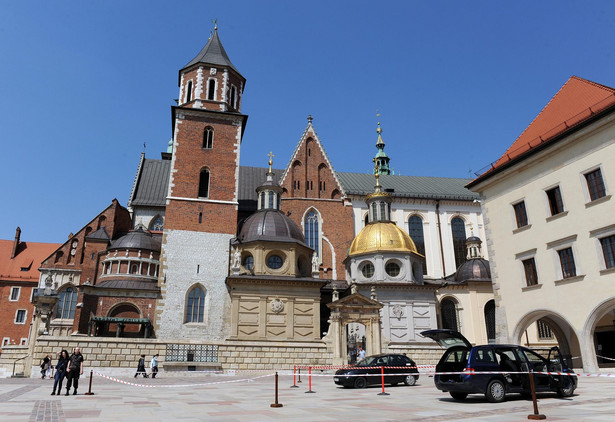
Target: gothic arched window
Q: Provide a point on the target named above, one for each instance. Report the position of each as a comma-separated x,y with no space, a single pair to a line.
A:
208,137
157,223
67,302
211,89
458,228
415,230
233,99
448,310
204,184
490,321
188,92
312,234
195,307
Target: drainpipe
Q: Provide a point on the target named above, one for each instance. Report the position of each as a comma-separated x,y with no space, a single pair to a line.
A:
440,237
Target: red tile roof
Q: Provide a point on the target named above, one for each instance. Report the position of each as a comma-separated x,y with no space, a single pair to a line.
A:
575,102
29,255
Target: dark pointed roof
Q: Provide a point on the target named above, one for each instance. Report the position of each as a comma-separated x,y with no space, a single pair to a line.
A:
213,53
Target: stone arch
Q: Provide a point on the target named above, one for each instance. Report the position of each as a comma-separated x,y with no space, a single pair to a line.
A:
588,334
296,170
565,334
336,194
124,310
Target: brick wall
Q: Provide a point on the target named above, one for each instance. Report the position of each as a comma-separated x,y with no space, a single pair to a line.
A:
8,310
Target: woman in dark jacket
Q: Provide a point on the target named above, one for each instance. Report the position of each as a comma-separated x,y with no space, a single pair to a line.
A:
141,367
60,372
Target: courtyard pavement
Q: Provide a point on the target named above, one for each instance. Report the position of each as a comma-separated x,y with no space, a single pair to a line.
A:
247,397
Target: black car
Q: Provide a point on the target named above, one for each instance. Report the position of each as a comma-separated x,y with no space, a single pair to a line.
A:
461,356
402,366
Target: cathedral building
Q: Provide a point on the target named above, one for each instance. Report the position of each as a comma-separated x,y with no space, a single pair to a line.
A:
211,259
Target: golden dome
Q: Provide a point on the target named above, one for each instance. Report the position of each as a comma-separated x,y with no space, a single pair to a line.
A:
381,236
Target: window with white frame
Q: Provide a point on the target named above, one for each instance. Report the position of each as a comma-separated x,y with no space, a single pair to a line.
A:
604,239
595,184
566,258
188,92
608,250
23,341
67,303
15,294
211,89
527,262
195,306
564,251
312,231
20,316
554,196
6,341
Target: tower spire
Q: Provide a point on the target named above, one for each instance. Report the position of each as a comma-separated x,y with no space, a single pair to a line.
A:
381,159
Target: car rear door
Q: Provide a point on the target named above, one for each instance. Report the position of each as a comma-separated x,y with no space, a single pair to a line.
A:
537,363
379,362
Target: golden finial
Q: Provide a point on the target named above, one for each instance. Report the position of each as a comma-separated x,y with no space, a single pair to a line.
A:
377,175
471,230
310,118
379,130
270,155
215,21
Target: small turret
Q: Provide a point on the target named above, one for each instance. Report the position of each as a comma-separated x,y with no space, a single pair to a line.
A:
381,159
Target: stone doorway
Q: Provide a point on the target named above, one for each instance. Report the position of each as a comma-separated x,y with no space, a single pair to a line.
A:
352,311
355,339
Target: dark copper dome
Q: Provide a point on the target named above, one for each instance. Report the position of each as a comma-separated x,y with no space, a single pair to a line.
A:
476,269
270,225
137,239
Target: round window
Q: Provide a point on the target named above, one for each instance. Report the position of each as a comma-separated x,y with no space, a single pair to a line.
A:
392,269
274,262
368,270
248,262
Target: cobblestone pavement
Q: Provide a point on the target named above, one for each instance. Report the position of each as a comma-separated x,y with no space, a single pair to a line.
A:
196,398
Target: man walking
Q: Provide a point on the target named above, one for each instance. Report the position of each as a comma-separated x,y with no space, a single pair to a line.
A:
153,365
75,368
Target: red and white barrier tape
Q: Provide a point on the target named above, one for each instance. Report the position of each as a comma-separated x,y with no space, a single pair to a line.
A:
178,385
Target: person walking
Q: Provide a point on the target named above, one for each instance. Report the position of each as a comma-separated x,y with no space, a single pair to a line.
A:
45,363
153,365
61,367
141,367
361,353
75,368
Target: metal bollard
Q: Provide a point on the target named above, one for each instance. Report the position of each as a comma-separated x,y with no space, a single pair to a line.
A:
310,380
294,383
382,377
276,404
535,415
89,393
299,380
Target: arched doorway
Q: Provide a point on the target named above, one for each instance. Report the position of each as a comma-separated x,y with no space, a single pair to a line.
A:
599,337
355,341
562,334
354,310
124,310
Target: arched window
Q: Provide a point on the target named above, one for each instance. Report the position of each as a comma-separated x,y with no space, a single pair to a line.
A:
211,89
102,221
157,223
233,99
374,211
67,302
312,235
366,220
458,229
448,311
271,196
188,92
204,184
59,256
195,308
490,321
415,230
208,137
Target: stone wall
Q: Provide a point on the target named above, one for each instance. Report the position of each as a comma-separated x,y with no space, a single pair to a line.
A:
11,355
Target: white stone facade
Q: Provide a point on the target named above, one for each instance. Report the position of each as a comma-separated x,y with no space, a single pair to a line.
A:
189,259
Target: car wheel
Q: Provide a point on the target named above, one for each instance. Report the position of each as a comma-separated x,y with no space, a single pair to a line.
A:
410,380
495,391
458,396
568,390
360,383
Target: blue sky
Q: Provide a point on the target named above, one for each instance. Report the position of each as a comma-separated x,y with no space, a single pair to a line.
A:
84,84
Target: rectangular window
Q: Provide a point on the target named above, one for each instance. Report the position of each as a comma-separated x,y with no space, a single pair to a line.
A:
24,341
531,277
15,294
555,201
520,214
608,249
544,332
595,184
567,261
20,316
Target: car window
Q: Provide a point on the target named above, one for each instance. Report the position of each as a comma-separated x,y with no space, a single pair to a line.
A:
457,356
534,357
398,360
484,356
368,361
382,361
508,353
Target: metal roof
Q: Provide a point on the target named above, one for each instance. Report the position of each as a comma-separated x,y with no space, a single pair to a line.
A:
408,186
213,53
152,184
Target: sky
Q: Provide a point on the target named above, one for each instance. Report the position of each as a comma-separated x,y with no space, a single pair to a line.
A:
83,85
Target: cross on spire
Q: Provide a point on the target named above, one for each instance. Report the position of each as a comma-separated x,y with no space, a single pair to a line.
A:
270,155
310,118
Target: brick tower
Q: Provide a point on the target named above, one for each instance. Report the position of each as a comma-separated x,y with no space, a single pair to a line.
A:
201,205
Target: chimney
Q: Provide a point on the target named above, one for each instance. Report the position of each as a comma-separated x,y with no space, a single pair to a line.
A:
16,242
